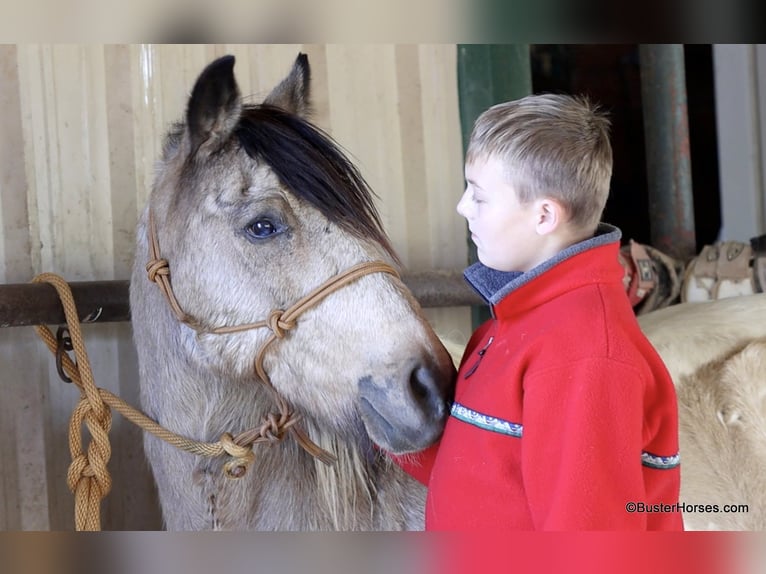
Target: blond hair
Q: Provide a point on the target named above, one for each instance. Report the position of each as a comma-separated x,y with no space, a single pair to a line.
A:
554,146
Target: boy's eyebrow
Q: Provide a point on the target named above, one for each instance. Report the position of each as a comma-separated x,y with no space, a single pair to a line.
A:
472,182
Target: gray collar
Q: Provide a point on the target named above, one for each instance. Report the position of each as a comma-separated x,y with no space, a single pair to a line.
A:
493,285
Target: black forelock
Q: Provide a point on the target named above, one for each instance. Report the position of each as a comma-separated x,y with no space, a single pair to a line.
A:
312,166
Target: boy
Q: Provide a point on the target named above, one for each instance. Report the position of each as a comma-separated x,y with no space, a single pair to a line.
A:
565,417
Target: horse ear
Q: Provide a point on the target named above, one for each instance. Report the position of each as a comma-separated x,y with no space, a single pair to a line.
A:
293,93
215,105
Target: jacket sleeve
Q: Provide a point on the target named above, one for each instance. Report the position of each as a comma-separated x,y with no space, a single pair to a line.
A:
581,448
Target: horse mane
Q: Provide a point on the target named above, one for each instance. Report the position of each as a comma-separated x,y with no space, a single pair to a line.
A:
313,167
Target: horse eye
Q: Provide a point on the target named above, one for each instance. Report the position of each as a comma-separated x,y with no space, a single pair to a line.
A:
261,228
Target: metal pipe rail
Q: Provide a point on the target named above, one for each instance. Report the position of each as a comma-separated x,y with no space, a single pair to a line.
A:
25,304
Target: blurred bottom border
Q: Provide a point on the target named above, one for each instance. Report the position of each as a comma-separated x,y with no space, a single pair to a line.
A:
382,553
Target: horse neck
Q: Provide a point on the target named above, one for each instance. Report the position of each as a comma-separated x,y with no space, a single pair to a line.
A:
362,490
283,481
292,490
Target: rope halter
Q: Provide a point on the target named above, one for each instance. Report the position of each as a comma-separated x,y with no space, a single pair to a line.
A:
278,322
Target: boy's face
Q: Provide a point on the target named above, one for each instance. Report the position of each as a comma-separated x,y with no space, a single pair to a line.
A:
503,229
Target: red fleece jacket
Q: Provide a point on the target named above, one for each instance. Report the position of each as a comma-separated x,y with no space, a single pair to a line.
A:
564,413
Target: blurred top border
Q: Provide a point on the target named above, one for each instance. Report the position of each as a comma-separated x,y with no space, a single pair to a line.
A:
389,21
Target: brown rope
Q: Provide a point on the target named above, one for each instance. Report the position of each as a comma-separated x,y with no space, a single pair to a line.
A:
278,321
88,477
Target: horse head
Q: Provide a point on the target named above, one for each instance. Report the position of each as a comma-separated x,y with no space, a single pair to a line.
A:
253,207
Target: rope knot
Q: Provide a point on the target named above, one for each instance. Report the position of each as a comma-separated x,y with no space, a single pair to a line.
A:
272,428
277,324
92,471
242,457
276,425
88,477
157,267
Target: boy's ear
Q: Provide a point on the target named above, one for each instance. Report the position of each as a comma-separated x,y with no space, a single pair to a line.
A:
550,215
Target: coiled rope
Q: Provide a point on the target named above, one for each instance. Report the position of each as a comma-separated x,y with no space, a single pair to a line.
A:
88,477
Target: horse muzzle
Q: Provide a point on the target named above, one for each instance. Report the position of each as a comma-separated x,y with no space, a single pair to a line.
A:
407,413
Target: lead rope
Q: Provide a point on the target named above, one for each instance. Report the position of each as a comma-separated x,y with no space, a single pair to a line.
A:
88,477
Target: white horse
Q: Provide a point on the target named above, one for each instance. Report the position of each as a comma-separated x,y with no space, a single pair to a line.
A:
716,354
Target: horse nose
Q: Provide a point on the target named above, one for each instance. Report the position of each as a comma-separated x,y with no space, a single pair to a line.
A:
431,390
407,412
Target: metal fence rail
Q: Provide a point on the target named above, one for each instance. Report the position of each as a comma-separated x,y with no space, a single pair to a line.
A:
27,304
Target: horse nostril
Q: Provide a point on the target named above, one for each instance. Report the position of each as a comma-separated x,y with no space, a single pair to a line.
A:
426,390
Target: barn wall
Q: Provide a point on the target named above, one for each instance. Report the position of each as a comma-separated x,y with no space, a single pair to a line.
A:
740,88
80,129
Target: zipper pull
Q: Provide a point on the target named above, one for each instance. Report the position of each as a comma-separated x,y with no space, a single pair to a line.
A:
481,352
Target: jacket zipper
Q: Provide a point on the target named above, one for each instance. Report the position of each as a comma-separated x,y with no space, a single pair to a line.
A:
481,353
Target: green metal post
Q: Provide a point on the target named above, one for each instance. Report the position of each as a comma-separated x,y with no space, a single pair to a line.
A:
489,74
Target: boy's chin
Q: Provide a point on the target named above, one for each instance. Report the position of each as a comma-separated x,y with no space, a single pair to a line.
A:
489,263
492,264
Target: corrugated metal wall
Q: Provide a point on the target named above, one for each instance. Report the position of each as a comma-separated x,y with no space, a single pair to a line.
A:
80,129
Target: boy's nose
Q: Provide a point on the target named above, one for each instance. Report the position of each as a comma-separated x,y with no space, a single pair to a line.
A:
463,205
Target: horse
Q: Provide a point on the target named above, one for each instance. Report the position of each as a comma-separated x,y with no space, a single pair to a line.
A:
715,352
277,290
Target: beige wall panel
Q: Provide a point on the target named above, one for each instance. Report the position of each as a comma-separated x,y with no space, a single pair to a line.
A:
81,130
15,264
363,90
24,486
442,175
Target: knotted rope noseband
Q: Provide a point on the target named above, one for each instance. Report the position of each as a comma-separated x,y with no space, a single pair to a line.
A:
278,322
